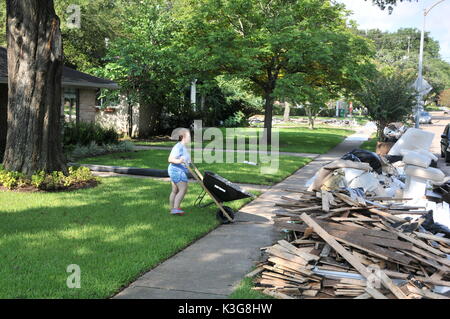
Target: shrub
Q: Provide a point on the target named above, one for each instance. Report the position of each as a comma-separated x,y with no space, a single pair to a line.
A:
388,98
237,120
77,176
86,133
81,151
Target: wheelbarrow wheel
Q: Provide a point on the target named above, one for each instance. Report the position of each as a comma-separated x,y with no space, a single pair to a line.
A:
222,218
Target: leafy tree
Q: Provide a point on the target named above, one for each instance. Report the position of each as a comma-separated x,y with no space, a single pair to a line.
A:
85,47
145,63
401,49
388,97
276,44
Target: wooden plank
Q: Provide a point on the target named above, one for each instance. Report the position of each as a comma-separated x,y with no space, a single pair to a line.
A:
277,295
416,242
298,252
426,293
365,231
275,251
386,215
325,202
347,200
353,281
364,243
387,282
354,219
364,296
290,265
440,260
375,293
432,237
254,272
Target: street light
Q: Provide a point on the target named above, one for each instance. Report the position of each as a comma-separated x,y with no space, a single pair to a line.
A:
420,79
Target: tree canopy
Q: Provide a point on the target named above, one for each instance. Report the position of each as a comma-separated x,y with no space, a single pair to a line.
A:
280,46
400,50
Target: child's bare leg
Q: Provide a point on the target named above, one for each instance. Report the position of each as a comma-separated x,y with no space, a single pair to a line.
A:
182,189
173,195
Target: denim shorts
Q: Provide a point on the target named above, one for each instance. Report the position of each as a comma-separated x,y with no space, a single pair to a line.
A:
177,175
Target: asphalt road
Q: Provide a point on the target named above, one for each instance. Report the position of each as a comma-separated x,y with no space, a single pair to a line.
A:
440,120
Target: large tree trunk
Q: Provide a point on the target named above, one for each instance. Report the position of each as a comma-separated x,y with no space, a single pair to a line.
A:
3,118
311,118
287,112
149,119
35,62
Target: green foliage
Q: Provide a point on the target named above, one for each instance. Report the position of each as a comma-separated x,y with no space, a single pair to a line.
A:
237,120
93,149
87,133
400,51
388,98
46,181
286,49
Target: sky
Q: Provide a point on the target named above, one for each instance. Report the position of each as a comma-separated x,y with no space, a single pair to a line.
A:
405,15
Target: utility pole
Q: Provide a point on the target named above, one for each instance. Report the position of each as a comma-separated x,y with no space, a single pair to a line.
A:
419,86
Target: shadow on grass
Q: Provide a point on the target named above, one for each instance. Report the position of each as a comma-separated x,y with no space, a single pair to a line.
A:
114,233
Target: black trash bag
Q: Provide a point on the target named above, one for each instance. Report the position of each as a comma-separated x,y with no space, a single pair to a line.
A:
351,157
393,158
434,164
433,227
366,157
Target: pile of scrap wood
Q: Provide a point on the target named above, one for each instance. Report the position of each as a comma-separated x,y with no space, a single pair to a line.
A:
342,245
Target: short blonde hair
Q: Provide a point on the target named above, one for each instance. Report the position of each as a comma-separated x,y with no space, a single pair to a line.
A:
179,133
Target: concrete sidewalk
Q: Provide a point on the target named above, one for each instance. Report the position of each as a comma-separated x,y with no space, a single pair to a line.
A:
213,266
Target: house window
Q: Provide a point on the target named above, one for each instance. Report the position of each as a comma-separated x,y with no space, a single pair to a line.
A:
71,104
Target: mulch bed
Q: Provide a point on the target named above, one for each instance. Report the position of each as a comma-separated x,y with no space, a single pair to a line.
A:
72,188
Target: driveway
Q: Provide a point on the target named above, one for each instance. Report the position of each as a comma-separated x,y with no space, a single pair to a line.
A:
440,120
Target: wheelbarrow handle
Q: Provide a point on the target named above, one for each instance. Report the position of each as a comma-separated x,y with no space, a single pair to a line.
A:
194,171
199,177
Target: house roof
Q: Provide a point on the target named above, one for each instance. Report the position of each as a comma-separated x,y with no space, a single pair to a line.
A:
71,77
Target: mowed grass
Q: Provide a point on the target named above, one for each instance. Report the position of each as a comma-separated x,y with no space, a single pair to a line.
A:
371,144
294,140
114,232
238,172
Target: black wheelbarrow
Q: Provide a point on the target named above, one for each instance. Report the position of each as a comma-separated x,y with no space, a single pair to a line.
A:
220,190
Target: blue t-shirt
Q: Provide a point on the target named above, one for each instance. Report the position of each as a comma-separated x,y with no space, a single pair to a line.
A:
179,151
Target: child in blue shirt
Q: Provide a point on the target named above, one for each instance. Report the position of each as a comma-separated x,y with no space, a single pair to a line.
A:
179,159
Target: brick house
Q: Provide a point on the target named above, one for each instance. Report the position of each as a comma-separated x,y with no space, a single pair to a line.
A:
78,100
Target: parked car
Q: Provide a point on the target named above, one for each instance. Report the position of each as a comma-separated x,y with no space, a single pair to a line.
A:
425,118
445,143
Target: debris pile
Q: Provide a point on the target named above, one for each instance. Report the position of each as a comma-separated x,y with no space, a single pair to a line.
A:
345,244
367,226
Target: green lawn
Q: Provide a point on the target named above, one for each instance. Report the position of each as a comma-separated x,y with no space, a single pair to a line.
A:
235,172
371,144
296,140
114,232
